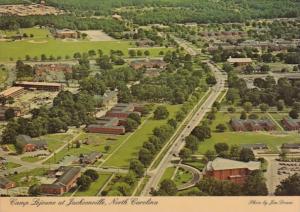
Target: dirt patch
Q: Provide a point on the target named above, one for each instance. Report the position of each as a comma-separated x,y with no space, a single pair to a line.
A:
97,35
38,42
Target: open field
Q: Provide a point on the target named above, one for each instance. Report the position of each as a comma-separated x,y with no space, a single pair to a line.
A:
55,141
97,35
97,142
168,174
240,138
43,43
95,186
182,176
122,157
27,178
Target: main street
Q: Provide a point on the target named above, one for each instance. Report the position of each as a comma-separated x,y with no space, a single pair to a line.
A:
179,142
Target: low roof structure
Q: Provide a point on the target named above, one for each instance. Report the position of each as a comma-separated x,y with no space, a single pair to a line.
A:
10,91
291,146
239,60
23,140
4,181
225,164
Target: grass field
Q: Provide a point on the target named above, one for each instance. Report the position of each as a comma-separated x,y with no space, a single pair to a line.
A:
43,44
55,141
168,174
97,143
11,165
240,138
27,178
182,176
31,159
95,186
122,157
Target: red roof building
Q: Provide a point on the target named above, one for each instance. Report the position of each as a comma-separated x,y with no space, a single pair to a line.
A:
234,171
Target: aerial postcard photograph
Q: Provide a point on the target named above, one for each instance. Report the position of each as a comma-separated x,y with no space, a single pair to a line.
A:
154,105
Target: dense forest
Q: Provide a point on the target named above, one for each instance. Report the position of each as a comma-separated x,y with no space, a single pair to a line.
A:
180,11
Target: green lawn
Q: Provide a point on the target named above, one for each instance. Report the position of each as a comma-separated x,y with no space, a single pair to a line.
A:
27,178
168,174
11,165
240,138
95,186
55,141
43,44
97,142
31,159
198,164
122,156
182,176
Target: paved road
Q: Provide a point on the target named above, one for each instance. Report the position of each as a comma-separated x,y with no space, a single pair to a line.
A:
196,177
179,142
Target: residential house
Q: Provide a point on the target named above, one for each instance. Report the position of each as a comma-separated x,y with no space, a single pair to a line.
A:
291,124
26,144
6,183
239,61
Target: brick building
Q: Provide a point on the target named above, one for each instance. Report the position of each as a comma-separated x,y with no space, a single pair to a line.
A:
239,61
43,68
293,146
40,85
26,144
252,125
6,183
291,124
107,125
65,33
91,158
138,64
12,92
122,110
234,171
66,179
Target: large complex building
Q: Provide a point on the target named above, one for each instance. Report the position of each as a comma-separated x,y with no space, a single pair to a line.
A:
107,125
13,92
66,179
122,111
138,64
293,146
252,125
234,171
40,85
43,68
65,33
239,61
27,144
291,124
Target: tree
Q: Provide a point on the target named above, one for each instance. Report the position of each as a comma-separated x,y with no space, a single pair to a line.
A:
172,123
280,105
234,152
247,155
132,53
248,107
137,167
161,112
221,147
145,156
34,190
289,186
294,114
84,182
123,187
231,109
221,127
130,125
202,132
92,174
147,53
264,107
211,80
185,153
167,188
107,148
191,142
243,115
210,155
9,114
255,184
136,117
104,62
